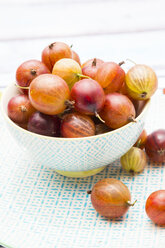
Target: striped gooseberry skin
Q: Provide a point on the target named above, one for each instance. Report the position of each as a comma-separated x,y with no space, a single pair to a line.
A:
118,110
110,76
117,82
76,125
48,94
29,70
155,146
134,160
54,52
91,66
141,82
89,62
110,198
155,207
67,69
20,109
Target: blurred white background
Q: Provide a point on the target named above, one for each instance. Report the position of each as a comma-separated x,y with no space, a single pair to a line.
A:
109,29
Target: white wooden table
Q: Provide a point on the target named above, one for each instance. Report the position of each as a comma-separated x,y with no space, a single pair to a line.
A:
110,30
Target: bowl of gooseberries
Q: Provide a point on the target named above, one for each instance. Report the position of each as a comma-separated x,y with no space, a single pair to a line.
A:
74,117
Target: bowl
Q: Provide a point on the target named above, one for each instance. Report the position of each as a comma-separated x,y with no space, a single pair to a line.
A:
74,157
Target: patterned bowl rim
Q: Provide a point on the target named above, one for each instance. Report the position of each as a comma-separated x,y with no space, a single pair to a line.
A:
139,117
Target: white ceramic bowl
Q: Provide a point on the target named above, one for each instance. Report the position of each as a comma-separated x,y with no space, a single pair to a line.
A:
76,157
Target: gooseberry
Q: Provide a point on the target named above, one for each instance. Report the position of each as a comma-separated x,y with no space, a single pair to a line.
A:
20,109
43,124
110,198
110,76
69,70
29,70
118,110
89,62
155,146
54,52
134,160
155,207
76,125
141,82
48,94
90,67
88,96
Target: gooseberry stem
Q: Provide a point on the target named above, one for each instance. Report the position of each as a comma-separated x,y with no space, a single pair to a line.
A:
69,104
81,75
132,119
98,116
143,95
138,143
23,108
22,87
161,152
132,172
131,204
33,72
51,45
130,60
121,63
94,62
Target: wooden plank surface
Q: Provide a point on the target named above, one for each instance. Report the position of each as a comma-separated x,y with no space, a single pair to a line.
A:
40,19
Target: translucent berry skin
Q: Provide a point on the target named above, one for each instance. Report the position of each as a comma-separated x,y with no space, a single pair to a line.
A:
67,69
76,125
20,109
54,52
155,207
48,93
91,66
110,76
134,161
109,197
141,82
89,62
88,96
118,110
29,70
155,146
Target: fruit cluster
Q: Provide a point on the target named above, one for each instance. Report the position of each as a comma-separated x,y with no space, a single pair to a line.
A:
59,97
